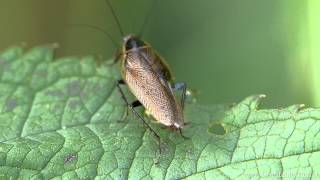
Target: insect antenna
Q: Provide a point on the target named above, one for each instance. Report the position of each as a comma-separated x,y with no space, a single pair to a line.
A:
97,28
146,19
115,17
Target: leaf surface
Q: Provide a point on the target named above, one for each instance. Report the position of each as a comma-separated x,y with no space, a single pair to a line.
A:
60,119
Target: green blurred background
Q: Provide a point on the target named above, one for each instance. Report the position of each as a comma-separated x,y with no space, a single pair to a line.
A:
224,49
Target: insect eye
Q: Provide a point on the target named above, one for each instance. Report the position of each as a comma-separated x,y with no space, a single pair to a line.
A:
134,43
129,45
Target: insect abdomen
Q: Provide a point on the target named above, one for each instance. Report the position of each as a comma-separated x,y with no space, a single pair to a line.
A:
146,85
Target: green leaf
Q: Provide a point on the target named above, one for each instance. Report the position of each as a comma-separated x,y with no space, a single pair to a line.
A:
59,119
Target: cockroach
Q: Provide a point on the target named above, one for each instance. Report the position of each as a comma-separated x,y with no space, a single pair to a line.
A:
149,79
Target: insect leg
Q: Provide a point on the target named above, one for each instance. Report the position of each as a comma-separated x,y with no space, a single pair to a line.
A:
117,57
132,106
177,87
181,86
184,137
121,82
136,104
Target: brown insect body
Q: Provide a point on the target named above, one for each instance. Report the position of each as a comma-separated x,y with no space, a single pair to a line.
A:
149,79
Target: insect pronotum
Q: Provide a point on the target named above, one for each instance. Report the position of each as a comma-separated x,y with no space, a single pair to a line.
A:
149,79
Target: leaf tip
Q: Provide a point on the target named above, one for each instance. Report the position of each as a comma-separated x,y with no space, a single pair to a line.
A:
254,101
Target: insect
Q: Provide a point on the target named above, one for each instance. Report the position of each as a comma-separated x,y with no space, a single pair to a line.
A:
148,77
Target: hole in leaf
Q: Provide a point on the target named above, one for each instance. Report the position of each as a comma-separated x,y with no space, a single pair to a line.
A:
217,129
